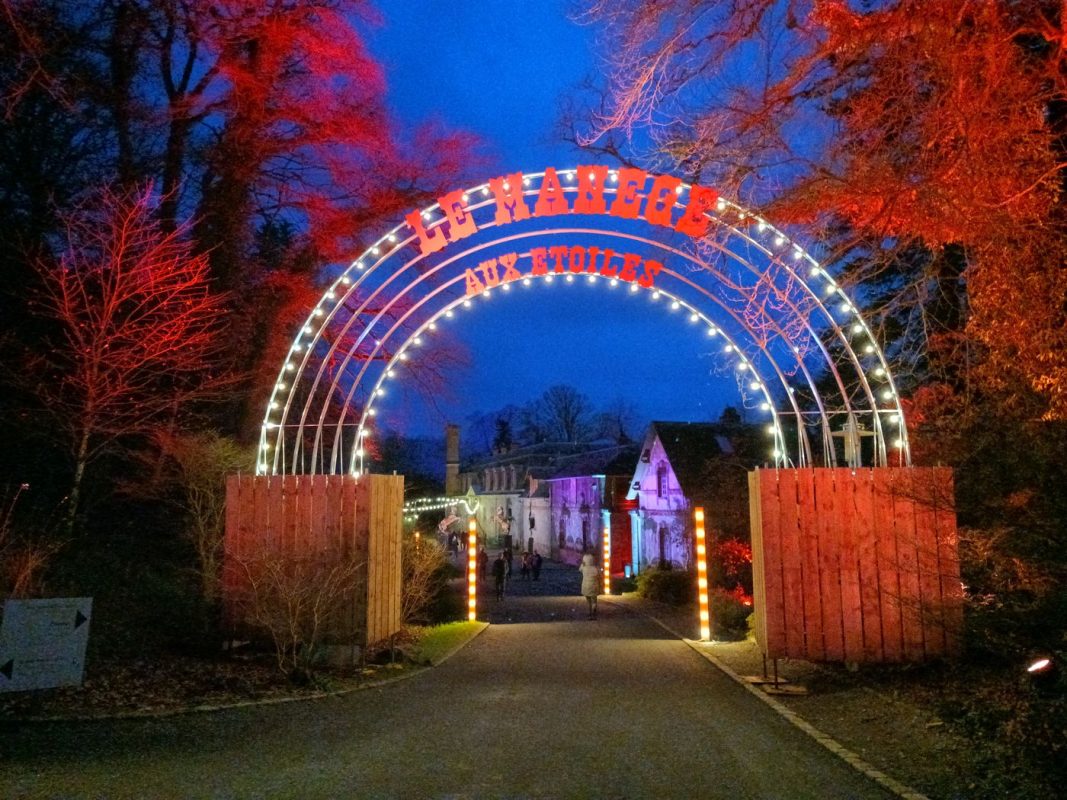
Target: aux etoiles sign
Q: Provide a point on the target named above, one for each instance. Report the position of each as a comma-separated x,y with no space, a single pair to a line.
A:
559,259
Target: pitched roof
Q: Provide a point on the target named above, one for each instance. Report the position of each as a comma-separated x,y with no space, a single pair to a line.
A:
688,446
614,460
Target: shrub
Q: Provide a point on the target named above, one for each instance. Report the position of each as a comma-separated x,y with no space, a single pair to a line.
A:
729,614
299,602
426,596
676,587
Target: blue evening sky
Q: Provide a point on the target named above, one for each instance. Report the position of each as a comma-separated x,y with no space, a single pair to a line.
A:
499,69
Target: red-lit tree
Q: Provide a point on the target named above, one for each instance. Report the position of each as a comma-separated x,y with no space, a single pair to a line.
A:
137,330
923,139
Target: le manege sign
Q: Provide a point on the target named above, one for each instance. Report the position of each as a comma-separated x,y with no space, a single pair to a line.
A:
630,201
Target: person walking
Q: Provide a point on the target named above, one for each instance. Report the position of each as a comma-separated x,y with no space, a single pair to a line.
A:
524,566
590,582
483,563
500,569
535,565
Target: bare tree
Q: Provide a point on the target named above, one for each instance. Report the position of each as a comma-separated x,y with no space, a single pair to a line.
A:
618,421
137,329
298,600
567,413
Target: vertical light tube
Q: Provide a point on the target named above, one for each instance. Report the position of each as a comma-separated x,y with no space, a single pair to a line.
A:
702,575
472,570
607,559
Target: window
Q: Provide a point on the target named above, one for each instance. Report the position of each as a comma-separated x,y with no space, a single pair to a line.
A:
661,480
664,562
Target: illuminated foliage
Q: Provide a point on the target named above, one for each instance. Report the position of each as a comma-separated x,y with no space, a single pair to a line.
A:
922,138
137,329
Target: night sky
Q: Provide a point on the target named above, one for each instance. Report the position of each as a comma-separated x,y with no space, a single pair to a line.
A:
500,73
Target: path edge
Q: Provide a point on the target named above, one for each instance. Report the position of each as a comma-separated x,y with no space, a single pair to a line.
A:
267,701
851,758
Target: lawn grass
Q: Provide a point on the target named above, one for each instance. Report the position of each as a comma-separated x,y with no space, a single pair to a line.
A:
439,641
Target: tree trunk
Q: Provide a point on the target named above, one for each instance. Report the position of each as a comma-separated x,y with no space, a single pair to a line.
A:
80,459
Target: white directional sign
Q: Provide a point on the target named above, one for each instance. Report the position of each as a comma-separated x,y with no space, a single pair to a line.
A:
42,643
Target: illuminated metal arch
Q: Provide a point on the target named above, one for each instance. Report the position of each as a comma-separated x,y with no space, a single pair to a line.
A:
382,298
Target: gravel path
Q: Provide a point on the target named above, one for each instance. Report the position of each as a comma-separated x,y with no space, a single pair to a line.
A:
558,706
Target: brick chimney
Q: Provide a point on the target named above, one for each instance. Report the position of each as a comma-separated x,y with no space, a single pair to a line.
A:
452,460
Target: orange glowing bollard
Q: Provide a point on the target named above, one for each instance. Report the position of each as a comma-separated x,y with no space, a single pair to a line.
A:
702,575
607,559
472,570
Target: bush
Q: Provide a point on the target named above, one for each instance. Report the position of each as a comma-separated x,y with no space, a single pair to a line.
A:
729,614
676,587
427,597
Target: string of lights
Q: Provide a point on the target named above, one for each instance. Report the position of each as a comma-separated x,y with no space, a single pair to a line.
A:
841,319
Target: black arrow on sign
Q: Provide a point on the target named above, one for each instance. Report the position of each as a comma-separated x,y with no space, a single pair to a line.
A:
8,669
79,619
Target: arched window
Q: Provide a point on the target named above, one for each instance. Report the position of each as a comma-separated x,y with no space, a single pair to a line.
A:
664,562
661,479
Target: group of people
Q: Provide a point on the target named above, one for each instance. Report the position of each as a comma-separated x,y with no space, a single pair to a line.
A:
529,568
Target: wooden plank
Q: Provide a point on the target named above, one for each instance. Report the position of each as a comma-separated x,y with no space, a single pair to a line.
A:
948,560
908,564
867,544
396,515
759,592
851,603
809,546
334,511
274,497
792,572
319,515
261,540
829,565
882,492
930,604
772,557
374,562
361,540
346,509
290,486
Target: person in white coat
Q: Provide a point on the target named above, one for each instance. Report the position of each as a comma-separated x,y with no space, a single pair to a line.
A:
590,582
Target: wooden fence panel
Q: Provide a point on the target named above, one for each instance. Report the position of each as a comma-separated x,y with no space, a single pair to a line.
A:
866,555
321,517
772,560
847,525
855,565
792,564
829,564
908,566
759,592
815,644
888,571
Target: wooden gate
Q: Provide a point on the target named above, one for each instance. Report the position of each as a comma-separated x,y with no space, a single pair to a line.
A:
322,525
855,565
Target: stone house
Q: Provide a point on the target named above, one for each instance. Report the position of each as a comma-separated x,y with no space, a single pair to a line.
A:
667,476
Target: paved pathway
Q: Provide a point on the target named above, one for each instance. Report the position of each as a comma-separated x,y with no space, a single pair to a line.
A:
556,707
